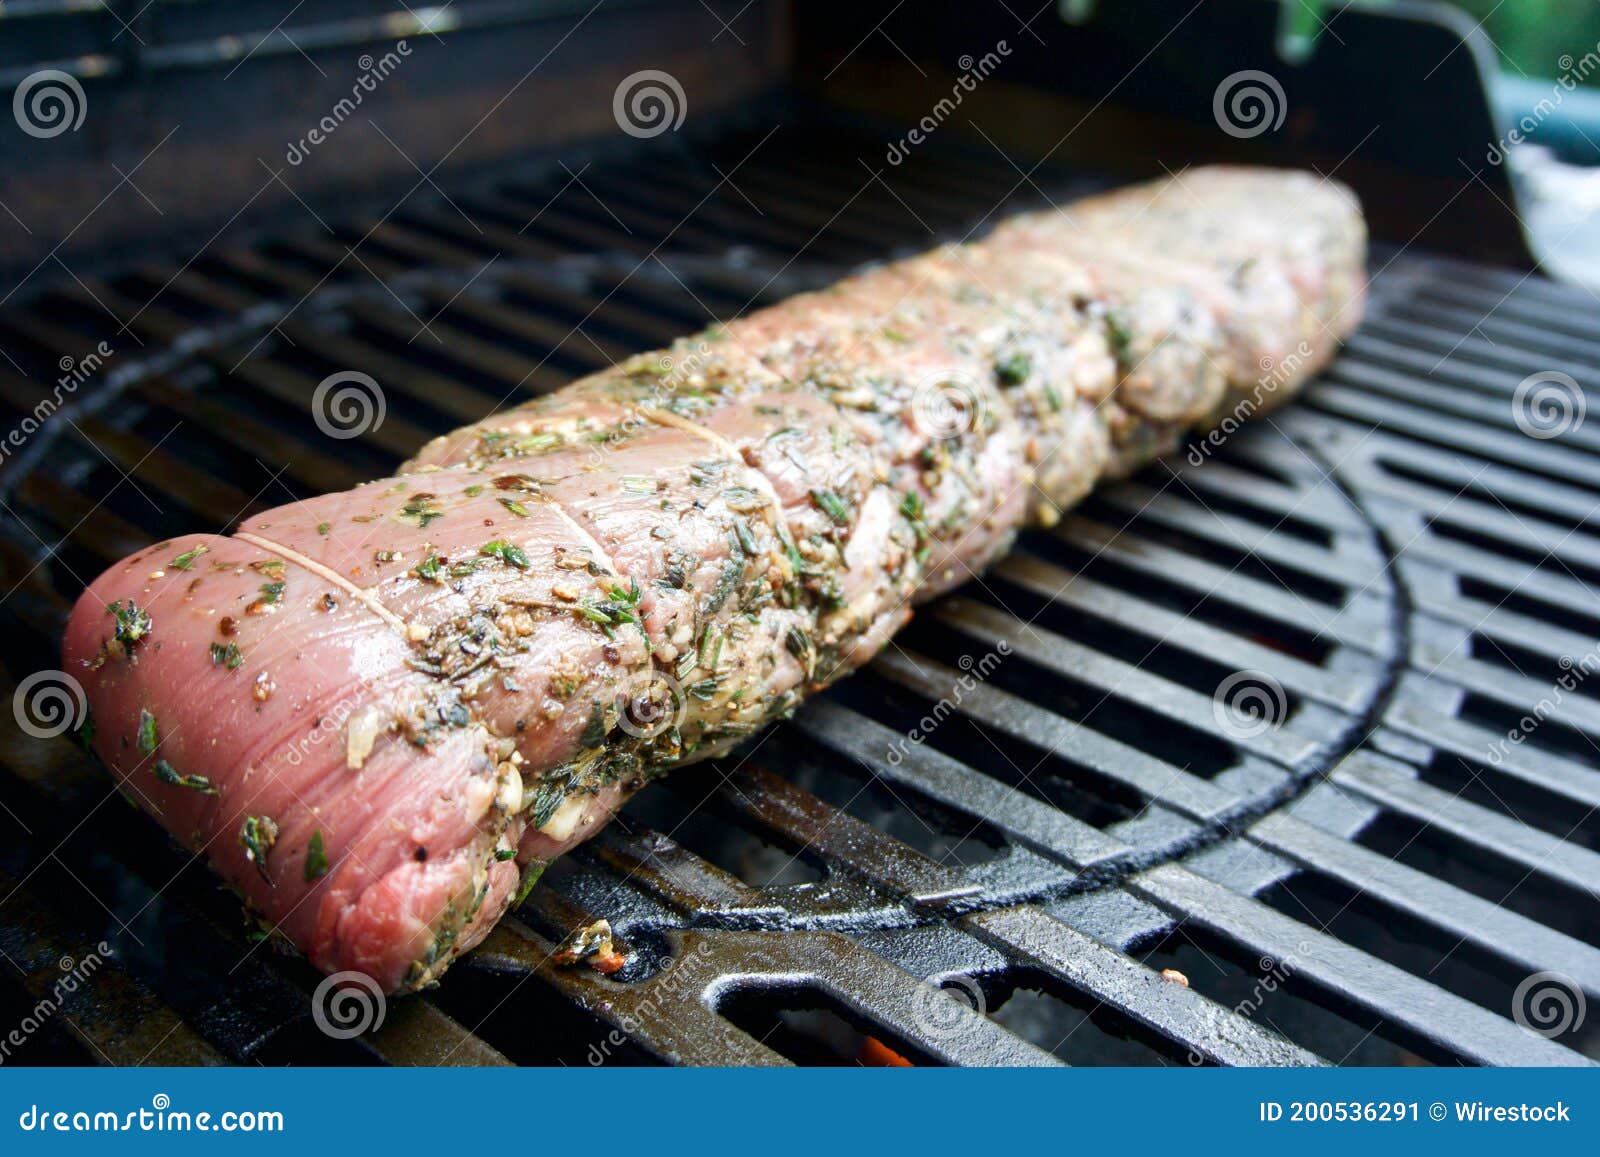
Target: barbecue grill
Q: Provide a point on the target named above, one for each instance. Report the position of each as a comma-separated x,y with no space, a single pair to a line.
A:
1217,771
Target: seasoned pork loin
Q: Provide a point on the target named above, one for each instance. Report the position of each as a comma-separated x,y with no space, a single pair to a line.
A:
379,713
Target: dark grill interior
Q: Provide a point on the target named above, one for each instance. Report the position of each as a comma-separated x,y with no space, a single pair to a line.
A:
1359,883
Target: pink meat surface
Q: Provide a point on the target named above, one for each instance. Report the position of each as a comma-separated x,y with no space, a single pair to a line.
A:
376,712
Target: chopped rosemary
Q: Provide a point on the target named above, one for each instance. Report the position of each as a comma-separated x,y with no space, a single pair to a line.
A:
420,511
539,443
226,655
832,505
506,552
710,648
743,500
256,835
166,773
515,507
1013,369
530,877
316,865
1118,333
622,607
429,569
732,572
185,561
149,735
594,732
132,623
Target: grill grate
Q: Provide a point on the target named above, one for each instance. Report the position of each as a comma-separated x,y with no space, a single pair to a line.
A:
1392,563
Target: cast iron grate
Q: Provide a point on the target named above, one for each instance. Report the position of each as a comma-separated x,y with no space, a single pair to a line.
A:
1391,566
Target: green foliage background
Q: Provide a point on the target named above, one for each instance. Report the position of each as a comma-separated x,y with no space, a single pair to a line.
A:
1531,35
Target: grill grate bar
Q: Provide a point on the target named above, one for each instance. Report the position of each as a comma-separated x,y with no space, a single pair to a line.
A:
1462,915
1557,630
927,772
1436,1020
1530,342
1535,322
1257,540
1445,418
928,850
1174,1011
1065,589
1530,848
1414,714
1506,493
1065,740
1074,661
1360,623
1487,366
774,804
114,1018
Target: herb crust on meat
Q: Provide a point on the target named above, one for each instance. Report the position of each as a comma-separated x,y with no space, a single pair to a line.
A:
380,713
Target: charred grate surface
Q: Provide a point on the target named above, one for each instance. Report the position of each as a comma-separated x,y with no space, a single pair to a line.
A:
1238,788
